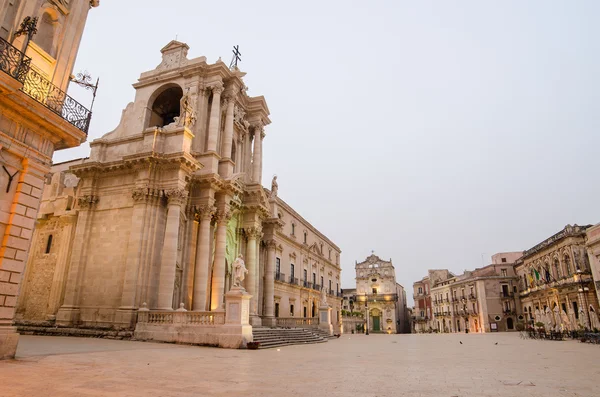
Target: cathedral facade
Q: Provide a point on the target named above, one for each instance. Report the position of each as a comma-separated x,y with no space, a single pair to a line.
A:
380,296
156,216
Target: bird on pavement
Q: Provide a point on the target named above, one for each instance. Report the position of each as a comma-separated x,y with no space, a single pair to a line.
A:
460,342
496,343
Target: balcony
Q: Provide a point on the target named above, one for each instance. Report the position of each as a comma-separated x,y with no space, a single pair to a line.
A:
506,295
377,298
316,287
280,277
293,280
18,66
472,297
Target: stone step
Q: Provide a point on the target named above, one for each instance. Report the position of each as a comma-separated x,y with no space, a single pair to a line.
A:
277,337
81,332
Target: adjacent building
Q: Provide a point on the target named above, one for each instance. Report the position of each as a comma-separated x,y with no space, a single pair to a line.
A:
555,281
156,216
482,300
422,320
39,41
593,250
378,294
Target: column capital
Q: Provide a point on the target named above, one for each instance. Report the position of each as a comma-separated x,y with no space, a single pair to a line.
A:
223,216
176,196
205,212
217,88
87,201
140,195
271,244
253,232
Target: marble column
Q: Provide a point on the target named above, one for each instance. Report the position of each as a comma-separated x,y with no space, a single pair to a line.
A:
68,314
228,131
134,249
253,234
218,278
215,116
270,279
257,153
166,281
201,271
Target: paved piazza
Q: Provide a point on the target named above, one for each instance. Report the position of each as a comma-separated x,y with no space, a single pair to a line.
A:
374,365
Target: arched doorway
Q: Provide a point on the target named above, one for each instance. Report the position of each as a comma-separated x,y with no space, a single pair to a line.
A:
509,323
376,320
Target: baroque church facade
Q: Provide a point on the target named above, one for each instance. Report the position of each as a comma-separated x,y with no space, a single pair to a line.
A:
166,202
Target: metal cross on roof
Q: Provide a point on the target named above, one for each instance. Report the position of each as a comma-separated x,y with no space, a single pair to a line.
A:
236,57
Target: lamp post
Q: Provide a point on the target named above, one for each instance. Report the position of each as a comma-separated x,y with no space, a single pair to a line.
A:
583,289
367,313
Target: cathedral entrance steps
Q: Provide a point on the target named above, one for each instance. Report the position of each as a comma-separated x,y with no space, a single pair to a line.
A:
276,337
81,332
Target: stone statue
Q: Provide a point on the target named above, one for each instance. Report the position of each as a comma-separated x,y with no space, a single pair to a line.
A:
187,115
274,187
323,297
239,271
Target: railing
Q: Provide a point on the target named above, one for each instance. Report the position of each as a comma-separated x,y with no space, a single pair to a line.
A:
13,62
472,296
315,287
156,317
377,297
17,65
504,294
293,280
280,277
339,294
306,284
331,292
297,322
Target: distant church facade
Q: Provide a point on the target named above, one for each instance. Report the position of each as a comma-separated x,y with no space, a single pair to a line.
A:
156,216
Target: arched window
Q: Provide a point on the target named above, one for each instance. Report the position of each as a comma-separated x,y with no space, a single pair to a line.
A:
165,107
46,31
567,262
49,244
557,269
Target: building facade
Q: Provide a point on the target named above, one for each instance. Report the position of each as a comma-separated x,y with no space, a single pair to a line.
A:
593,250
422,319
379,295
482,300
39,41
164,205
555,282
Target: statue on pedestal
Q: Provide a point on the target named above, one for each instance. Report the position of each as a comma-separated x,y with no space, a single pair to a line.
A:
239,271
323,297
187,115
274,186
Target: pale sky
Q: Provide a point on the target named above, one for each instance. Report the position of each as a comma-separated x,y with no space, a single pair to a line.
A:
435,133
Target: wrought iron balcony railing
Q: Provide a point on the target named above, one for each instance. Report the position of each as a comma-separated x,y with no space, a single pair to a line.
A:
280,277
293,280
377,297
17,65
13,62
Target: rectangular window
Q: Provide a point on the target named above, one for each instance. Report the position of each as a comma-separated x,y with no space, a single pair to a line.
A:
503,272
305,275
304,310
374,290
293,229
292,273
337,288
314,278
329,285
576,310
277,265
291,310
503,260
322,282
304,237
276,309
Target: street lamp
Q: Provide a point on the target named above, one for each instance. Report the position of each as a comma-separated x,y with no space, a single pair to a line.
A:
583,289
367,314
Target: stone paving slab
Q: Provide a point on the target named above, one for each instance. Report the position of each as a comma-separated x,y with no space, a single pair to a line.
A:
354,365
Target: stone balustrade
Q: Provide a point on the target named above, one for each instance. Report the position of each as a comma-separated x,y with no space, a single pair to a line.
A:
298,322
194,318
